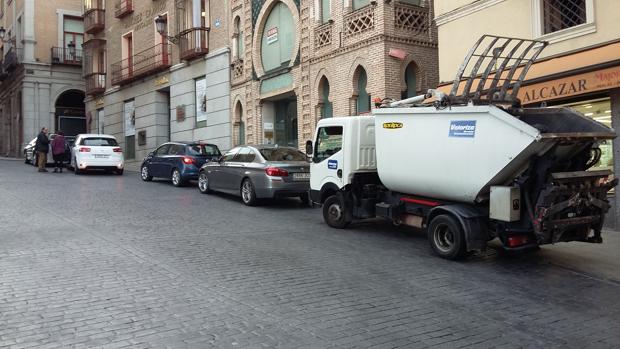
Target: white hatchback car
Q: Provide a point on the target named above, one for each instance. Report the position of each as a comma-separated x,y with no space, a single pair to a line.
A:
97,152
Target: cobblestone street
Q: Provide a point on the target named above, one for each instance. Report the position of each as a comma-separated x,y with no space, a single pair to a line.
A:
111,261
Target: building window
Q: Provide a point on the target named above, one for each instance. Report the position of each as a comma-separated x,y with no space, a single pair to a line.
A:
325,107
325,10
357,4
278,39
238,38
73,28
410,81
563,14
361,98
412,2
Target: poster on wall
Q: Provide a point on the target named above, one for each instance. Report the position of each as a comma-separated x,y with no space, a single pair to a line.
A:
130,119
272,35
201,100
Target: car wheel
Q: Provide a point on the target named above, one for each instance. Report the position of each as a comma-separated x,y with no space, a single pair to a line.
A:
145,174
446,237
119,172
334,212
177,181
203,183
26,161
76,170
248,194
34,161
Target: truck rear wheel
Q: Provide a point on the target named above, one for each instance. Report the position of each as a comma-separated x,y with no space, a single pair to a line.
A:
334,212
446,237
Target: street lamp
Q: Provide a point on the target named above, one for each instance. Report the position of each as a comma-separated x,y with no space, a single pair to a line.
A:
161,23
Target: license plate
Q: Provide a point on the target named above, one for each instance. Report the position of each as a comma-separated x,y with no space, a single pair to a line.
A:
101,156
302,176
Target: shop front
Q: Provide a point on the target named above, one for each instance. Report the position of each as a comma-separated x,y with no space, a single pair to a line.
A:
587,81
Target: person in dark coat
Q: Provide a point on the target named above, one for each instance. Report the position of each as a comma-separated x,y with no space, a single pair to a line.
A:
42,147
58,150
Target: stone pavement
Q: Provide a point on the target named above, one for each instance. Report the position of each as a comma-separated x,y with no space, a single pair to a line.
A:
113,262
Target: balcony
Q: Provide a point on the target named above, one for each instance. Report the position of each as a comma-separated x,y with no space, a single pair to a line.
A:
94,16
95,83
412,21
359,21
193,42
123,8
149,61
12,59
63,55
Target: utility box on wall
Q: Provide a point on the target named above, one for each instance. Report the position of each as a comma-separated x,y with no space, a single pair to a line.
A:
142,137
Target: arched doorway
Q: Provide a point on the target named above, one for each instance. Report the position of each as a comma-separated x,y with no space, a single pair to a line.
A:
325,106
70,116
361,96
410,81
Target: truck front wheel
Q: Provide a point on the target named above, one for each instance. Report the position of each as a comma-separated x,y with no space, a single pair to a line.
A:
334,212
446,237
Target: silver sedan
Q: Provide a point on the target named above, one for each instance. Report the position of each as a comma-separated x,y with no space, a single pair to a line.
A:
257,172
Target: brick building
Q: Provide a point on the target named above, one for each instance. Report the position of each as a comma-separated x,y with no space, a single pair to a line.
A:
146,88
580,67
40,71
294,62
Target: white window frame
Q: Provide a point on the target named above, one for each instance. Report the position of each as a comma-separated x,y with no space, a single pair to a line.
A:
565,34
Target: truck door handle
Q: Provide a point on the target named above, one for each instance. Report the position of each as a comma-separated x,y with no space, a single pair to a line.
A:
339,173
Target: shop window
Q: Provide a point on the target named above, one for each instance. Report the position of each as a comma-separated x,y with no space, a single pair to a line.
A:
562,14
357,4
325,10
600,111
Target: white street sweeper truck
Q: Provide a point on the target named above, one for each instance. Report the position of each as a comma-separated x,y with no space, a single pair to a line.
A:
470,166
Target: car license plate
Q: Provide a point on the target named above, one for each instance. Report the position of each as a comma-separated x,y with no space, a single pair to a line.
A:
101,156
301,176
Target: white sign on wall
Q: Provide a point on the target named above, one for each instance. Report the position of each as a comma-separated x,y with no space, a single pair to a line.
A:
272,35
201,100
130,119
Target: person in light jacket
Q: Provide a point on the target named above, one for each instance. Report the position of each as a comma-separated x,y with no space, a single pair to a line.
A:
42,147
58,151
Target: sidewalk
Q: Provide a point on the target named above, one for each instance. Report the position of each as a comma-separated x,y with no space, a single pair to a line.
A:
599,260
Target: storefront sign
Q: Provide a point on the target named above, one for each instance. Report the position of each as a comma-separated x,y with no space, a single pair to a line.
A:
272,35
571,86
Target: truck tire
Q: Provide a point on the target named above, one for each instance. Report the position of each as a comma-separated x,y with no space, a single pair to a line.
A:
334,212
446,237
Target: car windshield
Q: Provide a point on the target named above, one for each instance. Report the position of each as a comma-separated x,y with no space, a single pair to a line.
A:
100,141
282,154
203,150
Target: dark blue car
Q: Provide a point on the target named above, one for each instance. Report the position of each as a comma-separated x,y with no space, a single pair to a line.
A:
179,161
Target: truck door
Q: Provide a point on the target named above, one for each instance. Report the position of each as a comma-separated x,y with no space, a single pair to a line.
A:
328,160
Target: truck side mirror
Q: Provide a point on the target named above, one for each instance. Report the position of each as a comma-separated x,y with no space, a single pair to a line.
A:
309,149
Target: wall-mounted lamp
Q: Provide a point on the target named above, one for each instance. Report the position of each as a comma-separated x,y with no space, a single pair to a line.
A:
161,24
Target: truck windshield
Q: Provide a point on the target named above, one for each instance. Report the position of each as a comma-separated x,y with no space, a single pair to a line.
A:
328,142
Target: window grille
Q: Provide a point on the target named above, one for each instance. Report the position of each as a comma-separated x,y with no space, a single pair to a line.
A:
562,14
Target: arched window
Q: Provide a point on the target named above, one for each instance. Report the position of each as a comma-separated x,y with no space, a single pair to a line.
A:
240,125
238,38
360,80
325,11
410,81
278,38
326,109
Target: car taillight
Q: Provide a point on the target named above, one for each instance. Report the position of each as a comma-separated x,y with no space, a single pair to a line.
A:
188,161
84,150
117,150
276,172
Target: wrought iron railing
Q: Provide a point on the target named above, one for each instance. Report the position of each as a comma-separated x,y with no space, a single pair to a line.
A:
63,55
94,21
154,59
558,15
193,42
95,83
123,8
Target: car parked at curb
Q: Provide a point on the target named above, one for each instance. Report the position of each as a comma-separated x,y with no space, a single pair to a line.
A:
97,152
178,161
257,172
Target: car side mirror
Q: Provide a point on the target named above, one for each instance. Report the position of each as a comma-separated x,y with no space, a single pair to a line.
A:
309,150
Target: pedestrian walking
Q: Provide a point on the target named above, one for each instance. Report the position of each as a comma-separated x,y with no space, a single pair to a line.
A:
42,147
58,150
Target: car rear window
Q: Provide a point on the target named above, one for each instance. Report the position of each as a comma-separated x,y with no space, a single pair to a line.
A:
99,142
282,154
203,150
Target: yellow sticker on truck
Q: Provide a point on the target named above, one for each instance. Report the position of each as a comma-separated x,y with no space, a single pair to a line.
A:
392,125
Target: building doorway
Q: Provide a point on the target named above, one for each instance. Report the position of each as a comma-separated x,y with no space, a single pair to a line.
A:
286,122
70,116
